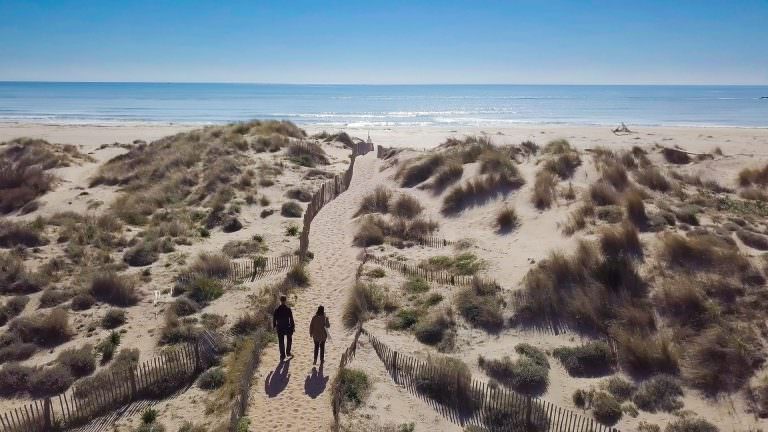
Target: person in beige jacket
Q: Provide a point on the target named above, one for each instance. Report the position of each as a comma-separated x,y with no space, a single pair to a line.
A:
318,329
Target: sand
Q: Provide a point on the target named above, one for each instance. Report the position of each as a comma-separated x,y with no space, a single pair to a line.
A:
301,400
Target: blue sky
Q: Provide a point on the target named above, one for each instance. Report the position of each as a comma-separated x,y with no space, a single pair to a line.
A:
362,41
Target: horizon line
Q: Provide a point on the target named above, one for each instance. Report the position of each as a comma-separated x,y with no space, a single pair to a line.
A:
381,84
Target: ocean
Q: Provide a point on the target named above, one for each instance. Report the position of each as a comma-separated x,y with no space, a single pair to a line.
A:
367,106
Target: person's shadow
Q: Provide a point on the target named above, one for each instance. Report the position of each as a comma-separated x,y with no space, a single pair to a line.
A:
277,380
315,383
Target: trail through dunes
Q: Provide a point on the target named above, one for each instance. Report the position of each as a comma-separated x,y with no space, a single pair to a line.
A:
295,396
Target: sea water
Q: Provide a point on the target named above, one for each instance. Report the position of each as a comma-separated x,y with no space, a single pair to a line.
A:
366,106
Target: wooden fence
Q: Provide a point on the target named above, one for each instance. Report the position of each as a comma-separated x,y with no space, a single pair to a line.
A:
492,408
328,192
441,277
346,358
250,270
154,378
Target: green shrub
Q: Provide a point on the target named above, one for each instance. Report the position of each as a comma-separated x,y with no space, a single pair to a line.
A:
211,379
536,355
353,386
113,318
79,361
404,319
375,202
149,416
605,408
416,284
619,388
590,359
659,393
480,305
204,289
291,209
523,375
436,329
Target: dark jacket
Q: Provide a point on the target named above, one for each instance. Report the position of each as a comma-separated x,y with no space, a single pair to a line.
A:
318,328
282,319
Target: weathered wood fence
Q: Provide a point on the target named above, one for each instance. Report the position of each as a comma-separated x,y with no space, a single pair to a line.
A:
251,269
346,358
328,192
442,277
85,401
494,409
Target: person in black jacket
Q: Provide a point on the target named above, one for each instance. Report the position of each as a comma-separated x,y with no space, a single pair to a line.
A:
282,321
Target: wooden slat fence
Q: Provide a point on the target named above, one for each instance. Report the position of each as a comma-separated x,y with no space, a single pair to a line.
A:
494,409
85,401
328,192
441,277
346,358
240,402
251,269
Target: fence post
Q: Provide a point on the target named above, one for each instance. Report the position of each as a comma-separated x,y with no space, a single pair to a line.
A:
47,413
198,366
528,410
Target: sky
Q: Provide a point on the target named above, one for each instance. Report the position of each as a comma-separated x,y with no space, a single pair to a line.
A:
387,42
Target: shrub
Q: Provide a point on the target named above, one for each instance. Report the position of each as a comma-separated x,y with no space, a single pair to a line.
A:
176,330
142,254
231,224
79,361
602,194
690,424
149,416
618,242
14,379
659,393
404,319
754,194
216,266
82,301
369,234
114,289
446,176
543,190
615,174
590,359
480,305
683,302
12,308
688,214
642,354
420,170
721,359
204,289
506,219
753,240
291,209
246,324
299,194
377,273
756,176
307,154
241,248
352,386
14,234
652,178
43,330
183,306
675,156
53,297
619,388
50,381
479,190
523,375
536,355
406,206
579,398
447,381
436,329
375,202
13,349
113,318
416,284
701,252
605,408
297,276
364,299
211,379
635,208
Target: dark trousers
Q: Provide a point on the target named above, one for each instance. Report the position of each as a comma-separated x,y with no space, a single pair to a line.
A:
320,346
284,340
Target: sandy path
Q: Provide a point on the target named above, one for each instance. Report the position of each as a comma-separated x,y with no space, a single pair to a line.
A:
296,396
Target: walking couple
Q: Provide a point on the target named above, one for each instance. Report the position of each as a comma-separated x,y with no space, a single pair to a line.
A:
282,321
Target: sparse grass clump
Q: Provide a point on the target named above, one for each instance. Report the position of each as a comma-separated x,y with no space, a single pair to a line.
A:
605,408
79,361
415,172
652,178
291,209
446,176
480,305
43,330
364,300
753,240
721,359
416,285
142,254
524,375
114,318
690,424
211,379
753,176
369,233
635,208
506,219
479,190
406,206
297,276
544,190
447,382
659,393
619,388
702,252
50,381
675,156
642,354
436,329
114,289
590,359
564,158
17,234
375,202
307,154
603,194
53,297
12,308
215,266
352,386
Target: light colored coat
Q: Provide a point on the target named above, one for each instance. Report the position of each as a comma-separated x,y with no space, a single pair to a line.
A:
318,326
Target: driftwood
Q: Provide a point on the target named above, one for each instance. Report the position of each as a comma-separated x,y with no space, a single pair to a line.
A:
621,129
